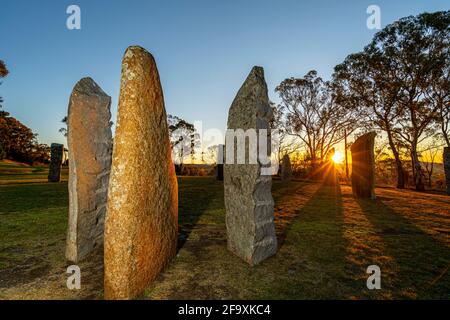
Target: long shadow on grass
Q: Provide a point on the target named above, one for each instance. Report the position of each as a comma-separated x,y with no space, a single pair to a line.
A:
316,249
196,197
422,261
288,206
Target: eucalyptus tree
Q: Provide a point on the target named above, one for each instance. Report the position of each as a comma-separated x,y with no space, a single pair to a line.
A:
401,80
361,83
417,48
312,114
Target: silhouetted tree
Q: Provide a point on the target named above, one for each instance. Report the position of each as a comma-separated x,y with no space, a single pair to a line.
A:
3,73
395,79
63,130
184,139
313,115
361,83
429,159
417,47
287,145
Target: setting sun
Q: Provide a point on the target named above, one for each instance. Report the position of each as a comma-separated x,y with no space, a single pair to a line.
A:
338,157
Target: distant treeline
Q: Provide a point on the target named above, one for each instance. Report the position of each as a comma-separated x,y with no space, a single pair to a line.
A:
17,141
398,86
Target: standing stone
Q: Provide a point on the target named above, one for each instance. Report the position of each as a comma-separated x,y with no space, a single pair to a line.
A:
363,166
248,198
90,144
286,168
56,159
220,161
447,168
142,213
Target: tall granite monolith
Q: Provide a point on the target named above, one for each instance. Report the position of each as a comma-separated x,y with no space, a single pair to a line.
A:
142,214
286,168
248,198
90,143
446,158
56,159
363,166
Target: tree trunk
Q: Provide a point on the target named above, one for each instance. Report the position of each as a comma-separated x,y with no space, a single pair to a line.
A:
346,156
398,162
418,173
444,132
446,158
429,180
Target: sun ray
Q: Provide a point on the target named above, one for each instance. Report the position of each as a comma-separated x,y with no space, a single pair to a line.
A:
338,157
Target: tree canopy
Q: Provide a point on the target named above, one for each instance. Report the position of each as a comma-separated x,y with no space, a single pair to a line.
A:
17,141
3,73
401,83
312,114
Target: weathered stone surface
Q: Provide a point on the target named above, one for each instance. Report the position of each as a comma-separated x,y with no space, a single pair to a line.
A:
90,144
248,198
220,162
363,166
447,168
142,213
286,168
56,159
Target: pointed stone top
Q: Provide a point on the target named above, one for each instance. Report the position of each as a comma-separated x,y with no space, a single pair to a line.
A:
257,71
370,136
137,64
250,107
132,51
87,86
254,78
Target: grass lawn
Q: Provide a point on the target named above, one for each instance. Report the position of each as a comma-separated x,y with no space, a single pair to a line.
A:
327,239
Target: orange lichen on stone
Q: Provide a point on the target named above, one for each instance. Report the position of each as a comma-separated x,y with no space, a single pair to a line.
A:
142,213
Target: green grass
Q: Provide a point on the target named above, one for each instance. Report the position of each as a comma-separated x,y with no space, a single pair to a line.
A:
327,239
14,173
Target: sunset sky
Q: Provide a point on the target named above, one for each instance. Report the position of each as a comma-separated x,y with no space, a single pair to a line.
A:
204,49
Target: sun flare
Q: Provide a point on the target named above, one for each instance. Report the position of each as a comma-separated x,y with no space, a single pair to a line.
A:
338,157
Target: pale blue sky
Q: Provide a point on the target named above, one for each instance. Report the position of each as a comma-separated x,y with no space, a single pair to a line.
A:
204,49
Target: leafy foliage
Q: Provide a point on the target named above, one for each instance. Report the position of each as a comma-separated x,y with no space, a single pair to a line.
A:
401,82
3,73
312,114
17,141
184,139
